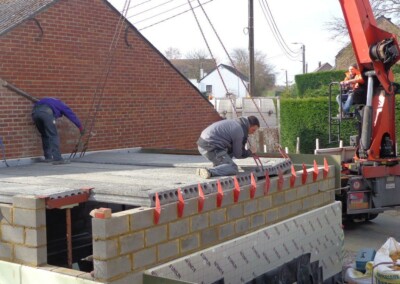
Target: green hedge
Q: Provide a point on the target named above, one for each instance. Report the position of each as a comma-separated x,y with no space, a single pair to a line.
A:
316,84
308,119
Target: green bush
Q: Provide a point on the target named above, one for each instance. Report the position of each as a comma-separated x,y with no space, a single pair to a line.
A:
308,119
304,111
316,84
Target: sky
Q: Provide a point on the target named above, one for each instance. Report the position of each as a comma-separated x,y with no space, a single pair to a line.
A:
303,22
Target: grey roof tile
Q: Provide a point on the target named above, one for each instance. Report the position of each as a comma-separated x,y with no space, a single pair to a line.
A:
14,12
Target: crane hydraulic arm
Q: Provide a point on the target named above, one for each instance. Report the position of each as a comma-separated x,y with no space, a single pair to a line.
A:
376,51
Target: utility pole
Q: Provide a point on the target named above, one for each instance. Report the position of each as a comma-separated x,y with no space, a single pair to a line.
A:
303,60
287,83
251,47
303,47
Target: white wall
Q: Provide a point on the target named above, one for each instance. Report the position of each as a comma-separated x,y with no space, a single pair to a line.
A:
233,83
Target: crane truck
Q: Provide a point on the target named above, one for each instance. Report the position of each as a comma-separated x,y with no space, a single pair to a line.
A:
370,172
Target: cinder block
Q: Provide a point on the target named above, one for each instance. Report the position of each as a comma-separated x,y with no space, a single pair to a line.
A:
107,269
169,212
29,202
217,217
278,199
29,218
12,234
227,199
106,228
105,249
67,271
302,191
130,278
30,256
329,196
259,189
234,212
226,230
331,172
257,220
273,185
132,242
271,216
244,193
296,207
178,228
143,217
6,214
290,195
242,225
198,222
189,243
283,212
155,235
307,203
332,183
209,236
168,250
318,199
35,237
298,180
250,207
264,203
191,207
323,185
286,182
6,251
144,257
210,202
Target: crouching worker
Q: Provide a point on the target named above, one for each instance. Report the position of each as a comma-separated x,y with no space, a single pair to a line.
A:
223,140
44,114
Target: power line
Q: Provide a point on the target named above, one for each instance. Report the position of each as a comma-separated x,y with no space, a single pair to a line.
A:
168,18
152,8
160,13
290,54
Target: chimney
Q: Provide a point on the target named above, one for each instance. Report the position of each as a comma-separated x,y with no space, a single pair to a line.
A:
319,63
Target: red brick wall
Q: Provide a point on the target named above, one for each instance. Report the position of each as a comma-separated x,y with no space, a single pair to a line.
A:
145,102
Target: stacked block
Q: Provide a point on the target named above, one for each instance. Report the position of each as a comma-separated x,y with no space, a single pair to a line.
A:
130,242
23,231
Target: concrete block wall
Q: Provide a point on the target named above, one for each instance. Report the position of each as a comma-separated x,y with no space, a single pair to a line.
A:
23,231
23,245
130,242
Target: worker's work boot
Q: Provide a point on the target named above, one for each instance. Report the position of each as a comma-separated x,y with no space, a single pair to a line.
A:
203,172
61,162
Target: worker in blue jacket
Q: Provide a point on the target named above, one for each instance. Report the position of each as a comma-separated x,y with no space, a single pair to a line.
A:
44,114
223,140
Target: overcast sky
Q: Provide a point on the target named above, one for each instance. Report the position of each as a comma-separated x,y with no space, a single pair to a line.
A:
298,21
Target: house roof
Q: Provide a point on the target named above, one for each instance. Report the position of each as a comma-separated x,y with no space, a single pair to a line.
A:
232,70
14,12
345,57
191,67
324,67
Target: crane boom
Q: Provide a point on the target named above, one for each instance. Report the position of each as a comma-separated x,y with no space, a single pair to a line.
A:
376,51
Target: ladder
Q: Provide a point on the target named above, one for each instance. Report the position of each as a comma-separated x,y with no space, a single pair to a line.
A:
333,117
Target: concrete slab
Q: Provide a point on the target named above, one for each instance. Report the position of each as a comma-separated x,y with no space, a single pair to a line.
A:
126,176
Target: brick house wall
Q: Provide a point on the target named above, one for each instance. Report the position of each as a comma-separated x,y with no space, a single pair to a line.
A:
145,103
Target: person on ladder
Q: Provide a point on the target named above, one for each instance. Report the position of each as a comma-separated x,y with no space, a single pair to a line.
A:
351,87
44,114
